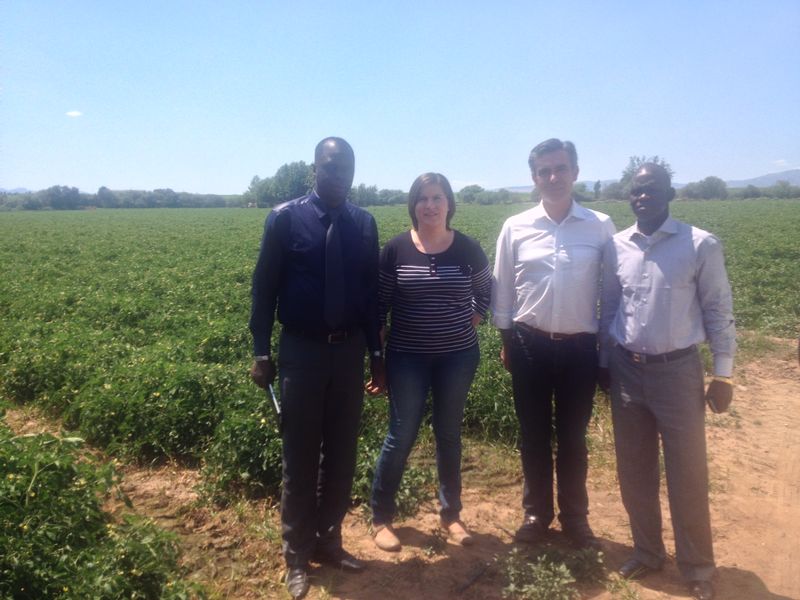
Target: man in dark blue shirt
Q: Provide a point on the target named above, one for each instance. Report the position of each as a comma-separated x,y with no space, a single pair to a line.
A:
318,265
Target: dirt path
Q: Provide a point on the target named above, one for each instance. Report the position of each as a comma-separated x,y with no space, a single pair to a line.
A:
755,502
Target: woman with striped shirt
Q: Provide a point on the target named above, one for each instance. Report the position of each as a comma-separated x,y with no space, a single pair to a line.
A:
436,284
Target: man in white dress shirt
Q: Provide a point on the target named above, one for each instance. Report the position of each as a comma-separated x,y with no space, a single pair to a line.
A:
544,301
665,290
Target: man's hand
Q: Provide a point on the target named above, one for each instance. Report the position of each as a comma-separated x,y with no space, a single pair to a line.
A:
263,372
476,319
504,358
377,370
505,352
719,395
604,379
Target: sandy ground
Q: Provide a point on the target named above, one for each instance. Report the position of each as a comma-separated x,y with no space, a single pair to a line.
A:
755,475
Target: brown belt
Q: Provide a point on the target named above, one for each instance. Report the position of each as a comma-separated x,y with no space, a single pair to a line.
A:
657,358
556,337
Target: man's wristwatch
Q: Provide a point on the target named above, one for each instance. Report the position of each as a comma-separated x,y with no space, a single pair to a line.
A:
377,354
262,357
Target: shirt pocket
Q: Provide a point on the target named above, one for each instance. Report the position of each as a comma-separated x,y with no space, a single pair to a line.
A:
580,259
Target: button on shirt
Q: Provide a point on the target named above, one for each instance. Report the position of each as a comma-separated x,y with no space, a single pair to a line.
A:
547,274
290,271
665,292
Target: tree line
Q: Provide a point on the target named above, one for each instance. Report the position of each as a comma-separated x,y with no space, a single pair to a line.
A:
295,179
61,197
710,188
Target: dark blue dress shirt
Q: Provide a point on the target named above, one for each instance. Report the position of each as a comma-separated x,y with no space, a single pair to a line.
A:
290,271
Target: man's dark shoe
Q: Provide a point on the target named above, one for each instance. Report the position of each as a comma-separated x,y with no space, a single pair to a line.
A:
339,558
582,536
701,590
635,569
297,582
532,531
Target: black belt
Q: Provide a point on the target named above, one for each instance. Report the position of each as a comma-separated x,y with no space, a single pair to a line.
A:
338,336
657,358
556,337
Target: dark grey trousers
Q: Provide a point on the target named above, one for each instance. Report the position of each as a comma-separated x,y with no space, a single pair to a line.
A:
666,400
322,392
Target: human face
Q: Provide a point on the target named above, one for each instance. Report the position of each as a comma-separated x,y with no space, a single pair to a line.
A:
334,169
554,176
431,207
650,196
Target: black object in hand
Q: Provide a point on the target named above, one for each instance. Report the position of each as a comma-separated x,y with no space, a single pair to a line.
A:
719,395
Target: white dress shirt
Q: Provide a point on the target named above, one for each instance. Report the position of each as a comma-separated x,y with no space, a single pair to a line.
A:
547,274
665,292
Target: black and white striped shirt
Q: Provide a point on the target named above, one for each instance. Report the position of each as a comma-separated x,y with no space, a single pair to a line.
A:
432,297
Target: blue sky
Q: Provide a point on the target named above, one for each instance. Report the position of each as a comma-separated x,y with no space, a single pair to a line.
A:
201,96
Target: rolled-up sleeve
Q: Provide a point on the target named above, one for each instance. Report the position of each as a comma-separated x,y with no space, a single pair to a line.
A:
503,283
716,305
610,291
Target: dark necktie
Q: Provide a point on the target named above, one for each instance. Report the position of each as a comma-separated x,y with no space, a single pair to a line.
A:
334,273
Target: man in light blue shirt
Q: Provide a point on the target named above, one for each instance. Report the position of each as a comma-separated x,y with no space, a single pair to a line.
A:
665,290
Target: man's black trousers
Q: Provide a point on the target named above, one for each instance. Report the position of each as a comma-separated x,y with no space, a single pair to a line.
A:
322,392
554,378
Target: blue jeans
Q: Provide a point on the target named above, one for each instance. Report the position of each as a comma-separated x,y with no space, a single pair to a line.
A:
448,377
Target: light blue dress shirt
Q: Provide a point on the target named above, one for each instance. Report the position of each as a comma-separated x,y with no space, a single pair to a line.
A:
665,292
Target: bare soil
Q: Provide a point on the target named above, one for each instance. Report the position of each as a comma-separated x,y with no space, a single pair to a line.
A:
754,454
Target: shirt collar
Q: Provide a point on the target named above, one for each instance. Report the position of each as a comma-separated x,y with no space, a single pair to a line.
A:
322,209
668,227
576,211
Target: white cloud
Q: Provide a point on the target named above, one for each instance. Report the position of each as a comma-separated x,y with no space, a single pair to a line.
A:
782,162
74,113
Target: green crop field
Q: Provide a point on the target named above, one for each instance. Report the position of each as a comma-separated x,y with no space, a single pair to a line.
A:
131,327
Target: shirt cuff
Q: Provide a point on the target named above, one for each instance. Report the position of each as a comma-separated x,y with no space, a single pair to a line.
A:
723,365
261,346
502,321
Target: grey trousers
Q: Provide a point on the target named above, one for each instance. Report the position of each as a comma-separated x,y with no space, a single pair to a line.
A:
666,400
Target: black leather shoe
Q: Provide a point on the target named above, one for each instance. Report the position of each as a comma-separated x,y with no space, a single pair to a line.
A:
635,569
339,558
582,536
297,582
532,530
701,590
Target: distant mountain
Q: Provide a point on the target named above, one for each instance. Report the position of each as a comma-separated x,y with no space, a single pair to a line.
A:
527,189
792,176
518,189
15,191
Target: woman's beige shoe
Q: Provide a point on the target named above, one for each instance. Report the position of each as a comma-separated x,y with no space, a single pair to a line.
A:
385,539
458,533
